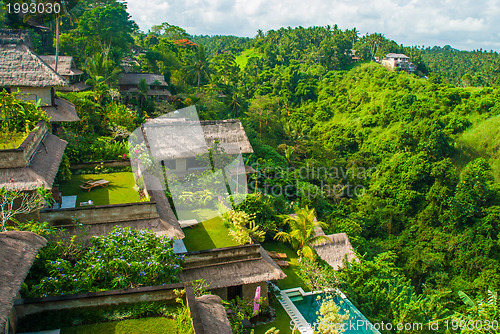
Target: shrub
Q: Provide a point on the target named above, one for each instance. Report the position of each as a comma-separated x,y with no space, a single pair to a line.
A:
125,258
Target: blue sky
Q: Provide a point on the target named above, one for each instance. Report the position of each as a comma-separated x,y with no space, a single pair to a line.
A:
464,25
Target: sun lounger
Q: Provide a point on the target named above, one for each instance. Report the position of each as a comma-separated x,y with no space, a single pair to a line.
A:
92,184
282,264
278,256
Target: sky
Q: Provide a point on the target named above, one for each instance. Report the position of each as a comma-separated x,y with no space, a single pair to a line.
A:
463,24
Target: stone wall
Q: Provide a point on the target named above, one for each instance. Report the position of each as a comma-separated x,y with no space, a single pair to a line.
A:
101,214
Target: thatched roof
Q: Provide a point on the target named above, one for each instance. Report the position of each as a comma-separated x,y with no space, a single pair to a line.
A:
133,79
335,252
20,67
174,139
42,169
63,111
213,315
158,226
244,271
65,64
18,36
17,253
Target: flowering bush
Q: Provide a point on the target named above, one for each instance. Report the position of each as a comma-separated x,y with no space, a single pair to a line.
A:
125,258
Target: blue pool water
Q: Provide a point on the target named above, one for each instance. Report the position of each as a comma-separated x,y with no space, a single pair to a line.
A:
357,323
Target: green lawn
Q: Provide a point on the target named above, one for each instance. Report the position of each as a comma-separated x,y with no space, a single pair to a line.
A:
242,59
154,325
292,280
208,235
119,191
10,140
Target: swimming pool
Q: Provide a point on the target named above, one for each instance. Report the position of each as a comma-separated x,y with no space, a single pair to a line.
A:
308,304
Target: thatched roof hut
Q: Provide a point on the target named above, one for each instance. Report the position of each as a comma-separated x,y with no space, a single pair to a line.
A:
65,65
20,67
213,315
254,266
17,253
335,252
133,79
41,170
178,138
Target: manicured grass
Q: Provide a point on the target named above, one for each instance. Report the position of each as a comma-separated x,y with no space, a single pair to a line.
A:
154,325
11,140
208,235
292,280
119,191
242,59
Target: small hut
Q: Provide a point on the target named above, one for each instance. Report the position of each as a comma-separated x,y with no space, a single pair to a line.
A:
67,69
177,142
18,250
157,87
336,251
22,70
232,271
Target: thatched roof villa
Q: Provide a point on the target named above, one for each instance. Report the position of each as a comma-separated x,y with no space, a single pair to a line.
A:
177,142
232,271
34,163
18,250
67,69
157,87
24,71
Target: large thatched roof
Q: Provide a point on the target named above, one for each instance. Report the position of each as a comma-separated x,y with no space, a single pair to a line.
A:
133,79
63,111
335,252
20,67
17,253
65,64
42,169
174,139
213,315
236,272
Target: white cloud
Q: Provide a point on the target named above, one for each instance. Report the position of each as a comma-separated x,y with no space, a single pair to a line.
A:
461,23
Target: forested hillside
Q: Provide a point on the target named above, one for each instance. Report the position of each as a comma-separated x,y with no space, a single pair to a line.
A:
408,165
464,68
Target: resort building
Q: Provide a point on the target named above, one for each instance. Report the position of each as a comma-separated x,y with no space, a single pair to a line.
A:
157,87
18,250
21,70
67,69
394,61
177,142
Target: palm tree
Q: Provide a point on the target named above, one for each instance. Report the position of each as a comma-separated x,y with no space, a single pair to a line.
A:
100,65
199,67
302,233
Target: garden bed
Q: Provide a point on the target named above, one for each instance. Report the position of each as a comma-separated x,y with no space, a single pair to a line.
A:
12,140
119,191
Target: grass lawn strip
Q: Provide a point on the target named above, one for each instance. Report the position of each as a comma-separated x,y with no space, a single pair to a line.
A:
153,325
119,191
